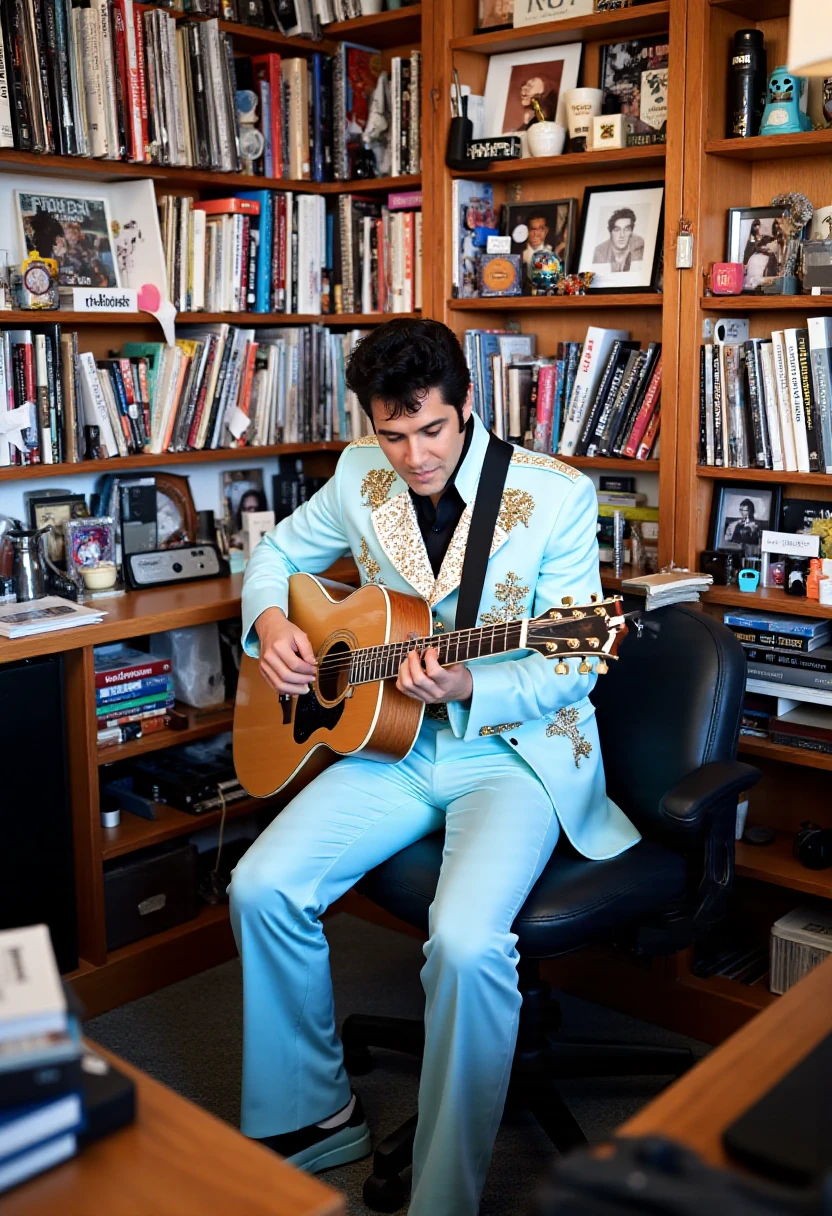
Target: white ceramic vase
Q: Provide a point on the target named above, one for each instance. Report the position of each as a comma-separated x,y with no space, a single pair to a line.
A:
546,138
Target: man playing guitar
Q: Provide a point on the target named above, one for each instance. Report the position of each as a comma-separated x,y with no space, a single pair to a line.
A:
507,758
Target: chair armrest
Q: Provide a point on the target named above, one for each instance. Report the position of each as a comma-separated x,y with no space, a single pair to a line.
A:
693,800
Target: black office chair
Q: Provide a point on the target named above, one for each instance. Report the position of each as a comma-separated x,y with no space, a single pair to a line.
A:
668,716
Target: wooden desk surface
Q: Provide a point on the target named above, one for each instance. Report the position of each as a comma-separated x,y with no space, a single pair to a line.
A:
175,1160
698,1107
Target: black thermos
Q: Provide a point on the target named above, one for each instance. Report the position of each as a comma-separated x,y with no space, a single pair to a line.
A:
747,86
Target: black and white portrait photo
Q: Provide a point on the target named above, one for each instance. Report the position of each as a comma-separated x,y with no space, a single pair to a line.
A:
757,237
740,514
620,236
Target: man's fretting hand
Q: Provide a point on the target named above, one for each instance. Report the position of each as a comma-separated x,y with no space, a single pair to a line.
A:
287,660
427,681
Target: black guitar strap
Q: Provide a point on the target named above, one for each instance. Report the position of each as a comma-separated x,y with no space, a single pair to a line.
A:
483,521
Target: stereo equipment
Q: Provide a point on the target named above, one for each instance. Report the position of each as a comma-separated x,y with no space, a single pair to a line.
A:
180,565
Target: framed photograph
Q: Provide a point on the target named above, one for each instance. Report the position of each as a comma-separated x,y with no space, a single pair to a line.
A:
532,12
798,514
634,80
740,513
52,509
621,236
492,14
547,224
75,231
756,238
88,542
514,79
242,491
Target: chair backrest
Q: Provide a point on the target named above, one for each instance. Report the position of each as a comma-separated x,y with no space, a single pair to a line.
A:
670,704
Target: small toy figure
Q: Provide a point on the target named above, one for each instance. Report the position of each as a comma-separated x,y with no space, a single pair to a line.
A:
545,271
252,142
575,284
783,115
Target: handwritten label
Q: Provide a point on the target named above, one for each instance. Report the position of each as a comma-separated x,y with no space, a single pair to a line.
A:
104,299
797,544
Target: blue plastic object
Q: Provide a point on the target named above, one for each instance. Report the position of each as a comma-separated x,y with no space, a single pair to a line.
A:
749,580
783,115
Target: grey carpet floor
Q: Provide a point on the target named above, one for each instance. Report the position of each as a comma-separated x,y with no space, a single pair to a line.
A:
189,1037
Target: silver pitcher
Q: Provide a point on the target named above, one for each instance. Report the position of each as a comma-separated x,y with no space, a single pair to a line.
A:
28,566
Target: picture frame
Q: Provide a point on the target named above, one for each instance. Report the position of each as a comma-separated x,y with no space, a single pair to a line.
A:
513,79
242,490
628,259
542,224
754,241
88,542
494,14
740,512
634,80
532,12
52,508
76,230
798,514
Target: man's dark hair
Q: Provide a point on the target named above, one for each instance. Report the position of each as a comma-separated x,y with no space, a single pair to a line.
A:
402,360
624,213
746,502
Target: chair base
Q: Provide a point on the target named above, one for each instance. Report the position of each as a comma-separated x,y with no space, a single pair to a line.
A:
540,1059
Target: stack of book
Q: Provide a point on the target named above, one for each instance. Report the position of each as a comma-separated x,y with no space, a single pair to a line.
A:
124,81
789,658
268,251
219,386
41,1107
599,397
133,690
767,403
672,587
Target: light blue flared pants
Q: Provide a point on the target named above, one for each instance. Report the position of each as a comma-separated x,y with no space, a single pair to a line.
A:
500,829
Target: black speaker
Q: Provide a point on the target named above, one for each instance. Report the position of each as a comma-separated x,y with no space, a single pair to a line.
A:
37,884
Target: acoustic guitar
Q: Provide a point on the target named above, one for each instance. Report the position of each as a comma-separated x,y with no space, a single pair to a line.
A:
360,638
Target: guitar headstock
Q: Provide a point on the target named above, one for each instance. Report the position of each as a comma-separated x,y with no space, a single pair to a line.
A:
579,631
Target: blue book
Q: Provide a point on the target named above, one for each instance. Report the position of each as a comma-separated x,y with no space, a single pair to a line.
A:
263,286
765,622
557,405
25,1127
317,132
144,687
37,1160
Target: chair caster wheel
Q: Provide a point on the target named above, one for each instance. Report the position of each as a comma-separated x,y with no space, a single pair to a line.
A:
385,1194
358,1061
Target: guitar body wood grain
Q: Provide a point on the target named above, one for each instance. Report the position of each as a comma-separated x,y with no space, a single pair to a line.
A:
284,743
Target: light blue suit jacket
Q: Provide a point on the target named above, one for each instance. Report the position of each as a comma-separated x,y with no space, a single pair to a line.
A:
544,548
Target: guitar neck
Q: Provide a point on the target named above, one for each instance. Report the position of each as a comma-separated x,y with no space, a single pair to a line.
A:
383,662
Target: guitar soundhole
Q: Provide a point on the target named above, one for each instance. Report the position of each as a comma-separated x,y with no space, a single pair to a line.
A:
334,673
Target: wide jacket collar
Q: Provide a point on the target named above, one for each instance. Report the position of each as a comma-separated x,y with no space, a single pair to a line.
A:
397,528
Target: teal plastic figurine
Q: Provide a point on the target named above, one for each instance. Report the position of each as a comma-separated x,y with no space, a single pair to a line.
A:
783,115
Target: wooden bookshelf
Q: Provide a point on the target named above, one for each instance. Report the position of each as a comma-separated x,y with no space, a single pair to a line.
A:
767,599
775,863
804,304
767,750
617,24
642,299
202,724
136,833
716,473
773,147
65,316
382,30
569,162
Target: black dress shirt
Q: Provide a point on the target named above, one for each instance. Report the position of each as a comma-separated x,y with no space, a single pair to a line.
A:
438,524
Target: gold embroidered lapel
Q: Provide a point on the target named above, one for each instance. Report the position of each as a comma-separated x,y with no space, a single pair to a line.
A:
451,570
397,529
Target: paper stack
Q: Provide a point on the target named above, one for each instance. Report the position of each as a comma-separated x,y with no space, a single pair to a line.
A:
41,1107
673,587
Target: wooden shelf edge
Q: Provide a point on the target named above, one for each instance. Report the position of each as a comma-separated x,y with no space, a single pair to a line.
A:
775,864
773,147
381,30
201,725
715,473
134,833
147,460
642,299
248,319
769,599
596,27
765,303
539,166
605,463
755,996
801,757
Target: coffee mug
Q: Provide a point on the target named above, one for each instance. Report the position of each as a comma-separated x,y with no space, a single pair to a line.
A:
581,107
820,227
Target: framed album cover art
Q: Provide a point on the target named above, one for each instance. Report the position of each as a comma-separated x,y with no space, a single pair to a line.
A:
545,73
621,236
758,239
547,224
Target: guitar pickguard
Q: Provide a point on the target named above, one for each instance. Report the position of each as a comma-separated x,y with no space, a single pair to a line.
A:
310,716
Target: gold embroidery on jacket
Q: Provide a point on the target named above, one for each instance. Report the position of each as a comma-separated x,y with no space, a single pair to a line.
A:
498,730
539,460
566,724
371,567
516,508
512,598
397,529
376,487
365,441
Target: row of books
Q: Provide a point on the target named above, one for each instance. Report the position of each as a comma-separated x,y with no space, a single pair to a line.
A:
279,252
113,80
132,689
219,386
599,397
295,18
767,403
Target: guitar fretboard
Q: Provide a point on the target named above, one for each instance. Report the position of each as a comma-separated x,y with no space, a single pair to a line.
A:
383,662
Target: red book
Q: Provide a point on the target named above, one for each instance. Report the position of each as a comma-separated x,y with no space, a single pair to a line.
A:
203,392
648,407
133,116
120,664
546,379
650,436
267,68
246,381
141,64
279,255
228,206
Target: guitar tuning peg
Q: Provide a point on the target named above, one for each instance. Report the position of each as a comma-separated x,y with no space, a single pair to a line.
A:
567,601
601,668
584,669
561,668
